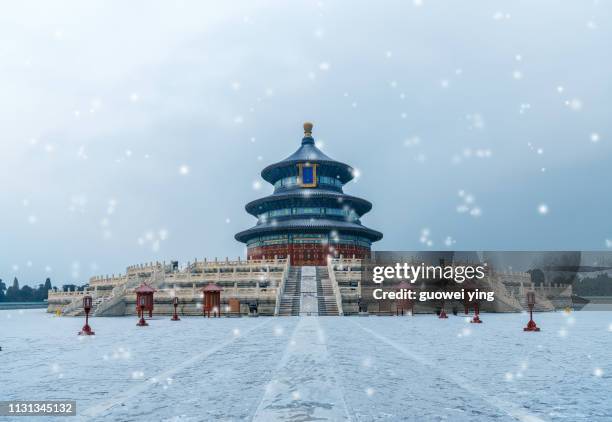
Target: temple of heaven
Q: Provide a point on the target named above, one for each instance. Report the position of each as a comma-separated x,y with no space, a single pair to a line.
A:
308,216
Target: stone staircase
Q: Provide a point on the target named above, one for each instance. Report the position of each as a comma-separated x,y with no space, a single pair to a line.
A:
79,311
105,308
290,301
325,293
103,305
542,304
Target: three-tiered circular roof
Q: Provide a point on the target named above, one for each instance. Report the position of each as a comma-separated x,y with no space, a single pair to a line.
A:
317,194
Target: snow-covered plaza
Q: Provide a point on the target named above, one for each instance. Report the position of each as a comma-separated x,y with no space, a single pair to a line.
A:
313,368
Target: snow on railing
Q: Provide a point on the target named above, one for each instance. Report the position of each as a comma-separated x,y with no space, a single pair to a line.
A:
281,288
334,283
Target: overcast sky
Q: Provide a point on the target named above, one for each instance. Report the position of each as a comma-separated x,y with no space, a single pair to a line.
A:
136,131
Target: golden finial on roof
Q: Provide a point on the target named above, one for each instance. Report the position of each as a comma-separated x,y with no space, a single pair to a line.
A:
308,128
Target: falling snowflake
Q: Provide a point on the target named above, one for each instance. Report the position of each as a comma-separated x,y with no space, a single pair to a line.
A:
543,209
153,239
256,185
424,238
476,121
184,170
110,209
574,104
469,204
137,374
594,137
413,141
81,153
524,108
499,16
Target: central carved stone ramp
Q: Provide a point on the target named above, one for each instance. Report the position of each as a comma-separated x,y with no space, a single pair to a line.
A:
308,297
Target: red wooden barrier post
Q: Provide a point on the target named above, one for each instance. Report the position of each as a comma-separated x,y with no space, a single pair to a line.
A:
212,300
144,302
175,316
476,319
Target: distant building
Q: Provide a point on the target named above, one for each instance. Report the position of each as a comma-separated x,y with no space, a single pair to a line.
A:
308,217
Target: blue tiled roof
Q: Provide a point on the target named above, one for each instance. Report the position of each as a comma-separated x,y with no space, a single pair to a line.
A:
308,224
307,152
360,206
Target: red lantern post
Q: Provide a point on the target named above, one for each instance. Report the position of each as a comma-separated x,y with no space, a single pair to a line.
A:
175,316
212,300
442,312
87,305
476,319
141,303
531,325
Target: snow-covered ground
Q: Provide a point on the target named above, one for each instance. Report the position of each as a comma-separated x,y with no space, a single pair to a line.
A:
313,368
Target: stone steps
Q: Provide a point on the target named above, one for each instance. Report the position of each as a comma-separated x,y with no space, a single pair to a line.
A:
290,301
325,293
